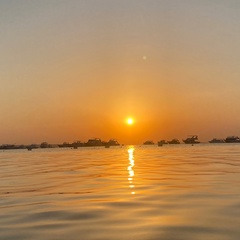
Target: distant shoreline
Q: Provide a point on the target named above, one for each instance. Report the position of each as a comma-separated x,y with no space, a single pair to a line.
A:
97,142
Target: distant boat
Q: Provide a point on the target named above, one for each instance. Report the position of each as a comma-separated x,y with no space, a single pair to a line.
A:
65,145
232,139
174,141
112,142
161,142
44,145
217,140
77,144
29,148
94,142
149,142
7,146
193,139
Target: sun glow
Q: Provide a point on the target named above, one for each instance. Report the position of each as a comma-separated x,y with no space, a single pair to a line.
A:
130,121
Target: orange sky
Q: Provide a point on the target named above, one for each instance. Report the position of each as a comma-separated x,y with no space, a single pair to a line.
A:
72,70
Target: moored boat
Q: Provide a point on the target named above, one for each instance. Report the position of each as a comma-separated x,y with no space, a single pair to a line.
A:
112,142
232,139
193,139
65,145
174,141
161,142
94,142
217,140
149,142
77,144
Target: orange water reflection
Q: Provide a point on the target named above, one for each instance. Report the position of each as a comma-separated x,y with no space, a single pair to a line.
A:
130,169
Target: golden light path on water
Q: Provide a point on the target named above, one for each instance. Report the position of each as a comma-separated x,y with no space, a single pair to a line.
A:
130,168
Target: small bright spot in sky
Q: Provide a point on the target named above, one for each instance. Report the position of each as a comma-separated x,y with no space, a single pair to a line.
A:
144,57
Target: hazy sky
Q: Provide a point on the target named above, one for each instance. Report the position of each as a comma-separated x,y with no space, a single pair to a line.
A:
76,69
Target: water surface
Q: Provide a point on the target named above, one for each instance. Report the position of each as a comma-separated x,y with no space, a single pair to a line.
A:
135,192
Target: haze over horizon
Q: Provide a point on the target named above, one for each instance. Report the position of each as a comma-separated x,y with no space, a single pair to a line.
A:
73,70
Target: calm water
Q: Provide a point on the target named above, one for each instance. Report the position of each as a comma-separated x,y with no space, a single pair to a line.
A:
170,192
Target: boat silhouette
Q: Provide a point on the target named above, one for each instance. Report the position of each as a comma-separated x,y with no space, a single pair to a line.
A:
192,139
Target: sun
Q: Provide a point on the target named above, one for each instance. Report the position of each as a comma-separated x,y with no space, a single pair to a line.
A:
130,121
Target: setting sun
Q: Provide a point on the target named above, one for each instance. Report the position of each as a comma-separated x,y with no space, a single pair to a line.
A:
129,121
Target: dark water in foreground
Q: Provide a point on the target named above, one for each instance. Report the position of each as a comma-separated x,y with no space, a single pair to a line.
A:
170,192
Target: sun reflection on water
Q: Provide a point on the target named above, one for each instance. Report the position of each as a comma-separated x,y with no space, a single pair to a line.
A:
130,169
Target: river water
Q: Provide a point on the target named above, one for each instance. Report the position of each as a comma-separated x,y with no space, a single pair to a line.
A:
131,192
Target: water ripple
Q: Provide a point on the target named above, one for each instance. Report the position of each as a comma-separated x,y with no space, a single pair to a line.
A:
138,192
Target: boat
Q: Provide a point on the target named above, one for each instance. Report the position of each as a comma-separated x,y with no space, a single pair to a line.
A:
29,148
94,142
112,142
161,142
77,144
44,145
192,139
7,147
149,142
65,145
232,139
217,140
174,141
